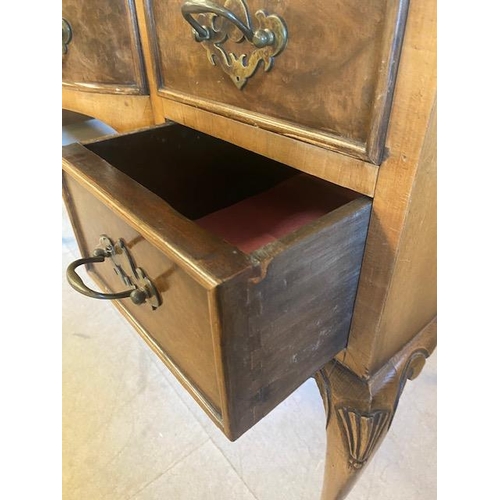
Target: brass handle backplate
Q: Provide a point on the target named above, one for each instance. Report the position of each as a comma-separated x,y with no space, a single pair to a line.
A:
67,35
141,288
215,24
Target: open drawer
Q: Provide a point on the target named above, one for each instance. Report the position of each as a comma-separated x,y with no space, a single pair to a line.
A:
240,272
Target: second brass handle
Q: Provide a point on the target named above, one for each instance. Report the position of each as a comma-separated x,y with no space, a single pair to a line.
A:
260,38
221,24
136,295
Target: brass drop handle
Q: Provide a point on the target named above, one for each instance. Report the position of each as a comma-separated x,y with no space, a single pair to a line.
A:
221,24
142,290
137,296
259,38
67,35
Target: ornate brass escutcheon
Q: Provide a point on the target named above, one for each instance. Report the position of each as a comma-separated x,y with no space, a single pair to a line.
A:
141,288
215,24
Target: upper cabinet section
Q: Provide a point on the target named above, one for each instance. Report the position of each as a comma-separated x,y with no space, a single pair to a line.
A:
101,47
321,72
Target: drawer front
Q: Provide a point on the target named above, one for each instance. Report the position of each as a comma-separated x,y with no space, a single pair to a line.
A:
241,329
330,83
180,328
101,48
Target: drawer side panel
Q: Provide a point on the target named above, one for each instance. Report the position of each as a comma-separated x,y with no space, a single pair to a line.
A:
299,312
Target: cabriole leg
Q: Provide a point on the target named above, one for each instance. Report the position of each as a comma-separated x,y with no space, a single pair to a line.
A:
359,412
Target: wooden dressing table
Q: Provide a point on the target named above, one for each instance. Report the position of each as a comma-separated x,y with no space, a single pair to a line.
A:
268,213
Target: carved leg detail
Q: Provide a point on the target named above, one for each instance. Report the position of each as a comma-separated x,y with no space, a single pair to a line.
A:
359,412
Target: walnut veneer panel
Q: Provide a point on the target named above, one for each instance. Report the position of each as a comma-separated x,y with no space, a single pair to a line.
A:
104,53
332,84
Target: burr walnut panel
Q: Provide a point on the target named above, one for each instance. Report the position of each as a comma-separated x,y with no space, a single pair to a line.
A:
101,47
331,84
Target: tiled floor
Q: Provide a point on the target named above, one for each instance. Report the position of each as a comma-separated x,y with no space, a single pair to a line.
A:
130,431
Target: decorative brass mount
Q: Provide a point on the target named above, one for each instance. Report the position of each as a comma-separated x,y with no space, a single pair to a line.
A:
221,23
141,288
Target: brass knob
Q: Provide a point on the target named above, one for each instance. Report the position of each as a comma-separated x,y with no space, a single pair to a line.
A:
67,35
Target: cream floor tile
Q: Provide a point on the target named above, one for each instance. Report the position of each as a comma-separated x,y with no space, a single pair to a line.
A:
282,457
204,475
134,447
83,131
123,424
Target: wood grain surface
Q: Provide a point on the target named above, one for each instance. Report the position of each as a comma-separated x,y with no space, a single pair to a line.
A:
104,54
239,331
181,325
332,85
298,314
343,170
120,112
397,291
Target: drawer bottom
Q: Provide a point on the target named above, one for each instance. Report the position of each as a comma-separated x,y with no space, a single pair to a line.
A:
269,216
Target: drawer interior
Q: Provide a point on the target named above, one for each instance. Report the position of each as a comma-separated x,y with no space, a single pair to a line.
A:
246,199
243,324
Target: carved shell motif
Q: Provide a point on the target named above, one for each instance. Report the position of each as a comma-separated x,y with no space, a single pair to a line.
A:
362,432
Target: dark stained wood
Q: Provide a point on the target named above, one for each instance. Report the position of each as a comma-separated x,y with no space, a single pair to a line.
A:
104,54
298,312
331,86
343,170
231,325
196,173
206,258
70,117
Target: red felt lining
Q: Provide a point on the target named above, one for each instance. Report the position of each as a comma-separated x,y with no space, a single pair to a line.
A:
268,216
